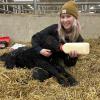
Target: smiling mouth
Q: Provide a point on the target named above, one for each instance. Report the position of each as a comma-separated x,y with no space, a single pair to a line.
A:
66,24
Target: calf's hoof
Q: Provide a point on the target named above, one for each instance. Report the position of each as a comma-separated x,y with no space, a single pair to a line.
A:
71,81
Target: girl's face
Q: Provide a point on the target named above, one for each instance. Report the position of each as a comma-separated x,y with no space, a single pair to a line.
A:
66,21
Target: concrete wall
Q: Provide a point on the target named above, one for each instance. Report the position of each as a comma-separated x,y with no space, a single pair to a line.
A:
22,27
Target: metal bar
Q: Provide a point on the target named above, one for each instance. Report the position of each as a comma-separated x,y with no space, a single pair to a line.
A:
44,3
15,3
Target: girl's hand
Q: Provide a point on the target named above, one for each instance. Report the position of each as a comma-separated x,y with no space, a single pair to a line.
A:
73,54
46,52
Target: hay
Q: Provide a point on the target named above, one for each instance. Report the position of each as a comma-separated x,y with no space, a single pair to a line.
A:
17,84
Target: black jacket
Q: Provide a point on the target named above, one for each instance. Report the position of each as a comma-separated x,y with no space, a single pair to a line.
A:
48,38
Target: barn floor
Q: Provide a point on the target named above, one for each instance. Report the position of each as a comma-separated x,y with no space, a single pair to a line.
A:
17,84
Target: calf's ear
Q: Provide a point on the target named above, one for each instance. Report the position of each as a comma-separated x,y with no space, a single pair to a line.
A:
52,43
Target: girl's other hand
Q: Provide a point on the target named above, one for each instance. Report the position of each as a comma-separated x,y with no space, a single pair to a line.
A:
46,52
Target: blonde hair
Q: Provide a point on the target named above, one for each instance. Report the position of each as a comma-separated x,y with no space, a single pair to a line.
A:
71,36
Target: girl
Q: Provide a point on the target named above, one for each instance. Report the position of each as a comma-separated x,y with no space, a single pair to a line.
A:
48,42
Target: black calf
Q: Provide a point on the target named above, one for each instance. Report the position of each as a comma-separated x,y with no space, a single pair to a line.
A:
26,57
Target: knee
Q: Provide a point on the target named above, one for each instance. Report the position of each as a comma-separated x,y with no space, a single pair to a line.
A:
40,74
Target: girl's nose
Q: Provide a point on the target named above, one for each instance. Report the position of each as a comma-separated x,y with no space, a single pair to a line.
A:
65,19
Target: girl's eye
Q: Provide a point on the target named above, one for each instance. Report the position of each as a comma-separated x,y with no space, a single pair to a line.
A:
68,16
62,17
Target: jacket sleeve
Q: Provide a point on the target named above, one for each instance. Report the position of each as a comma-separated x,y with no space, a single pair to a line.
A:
44,39
36,39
